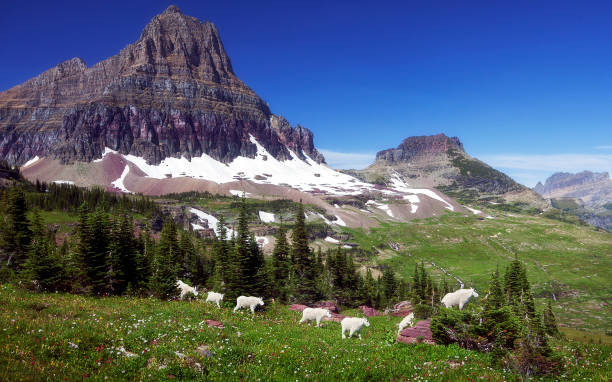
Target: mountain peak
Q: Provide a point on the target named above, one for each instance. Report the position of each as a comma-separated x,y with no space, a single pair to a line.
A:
172,9
420,146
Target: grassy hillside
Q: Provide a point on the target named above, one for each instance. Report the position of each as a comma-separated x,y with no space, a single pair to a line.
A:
69,337
574,262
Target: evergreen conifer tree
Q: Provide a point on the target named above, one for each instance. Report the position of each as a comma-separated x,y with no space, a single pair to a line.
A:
280,264
549,321
302,259
43,265
16,232
163,280
389,285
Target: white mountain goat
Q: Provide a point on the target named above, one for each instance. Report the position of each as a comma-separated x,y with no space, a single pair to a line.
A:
314,314
459,298
214,297
250,302
185,289
407,321
353,325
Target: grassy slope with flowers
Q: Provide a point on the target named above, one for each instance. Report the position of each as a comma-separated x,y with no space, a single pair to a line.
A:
68,337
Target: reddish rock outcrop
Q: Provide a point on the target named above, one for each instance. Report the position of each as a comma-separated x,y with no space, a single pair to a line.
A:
419,333
402,309
368,311
332,306
214,324
297,307
172,93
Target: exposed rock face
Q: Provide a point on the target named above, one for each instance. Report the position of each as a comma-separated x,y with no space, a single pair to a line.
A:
440,161
419,333
563,184
586,194
420,147
172,93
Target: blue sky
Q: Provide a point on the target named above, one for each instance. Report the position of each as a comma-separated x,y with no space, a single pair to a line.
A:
526,86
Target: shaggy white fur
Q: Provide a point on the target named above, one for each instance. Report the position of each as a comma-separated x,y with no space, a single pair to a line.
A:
185,289
353,325
314,314
251,302
406,322
459,298
214,297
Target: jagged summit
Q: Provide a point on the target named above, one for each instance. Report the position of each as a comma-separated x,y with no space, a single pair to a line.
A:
412,147
440,161
172,93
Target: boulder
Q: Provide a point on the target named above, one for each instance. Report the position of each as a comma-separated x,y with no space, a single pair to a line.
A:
369,311
334,317
297,307
419,333
214,324
332,306
402,309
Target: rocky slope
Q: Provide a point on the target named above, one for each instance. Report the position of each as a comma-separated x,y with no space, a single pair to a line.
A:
440,161
172,93
586,194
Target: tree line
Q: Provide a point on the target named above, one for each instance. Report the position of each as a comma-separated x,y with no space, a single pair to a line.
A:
107,255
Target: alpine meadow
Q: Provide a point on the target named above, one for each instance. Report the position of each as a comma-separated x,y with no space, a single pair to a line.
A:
160,222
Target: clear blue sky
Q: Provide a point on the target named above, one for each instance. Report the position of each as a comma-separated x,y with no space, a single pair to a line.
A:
527,86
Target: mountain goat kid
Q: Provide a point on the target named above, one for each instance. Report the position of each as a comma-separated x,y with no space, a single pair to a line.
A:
185,289
251,302
214,297
459,298
353,325
314,314
406,322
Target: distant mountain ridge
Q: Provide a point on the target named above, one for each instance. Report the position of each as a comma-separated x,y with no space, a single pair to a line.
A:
586,194
172,93
440,161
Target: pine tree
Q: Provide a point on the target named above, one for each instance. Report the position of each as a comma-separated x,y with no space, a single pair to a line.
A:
389,285
122,256
370,288
94,239
187,257
43,265
302,259
550,321
496,295
280,264
221,259
163,280
16,232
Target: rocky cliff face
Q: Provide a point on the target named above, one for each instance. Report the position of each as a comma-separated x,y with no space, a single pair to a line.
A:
172,93
440,161
567,183
591,191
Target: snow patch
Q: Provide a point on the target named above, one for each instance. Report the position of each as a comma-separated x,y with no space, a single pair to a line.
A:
399,185
473,210
339,221
118,183
346,246
305,175
387,209
266,217
330,239
63,182
106,152
197,226
31,161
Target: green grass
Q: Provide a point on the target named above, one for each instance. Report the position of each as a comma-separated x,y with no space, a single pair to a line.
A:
576,260
69,337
